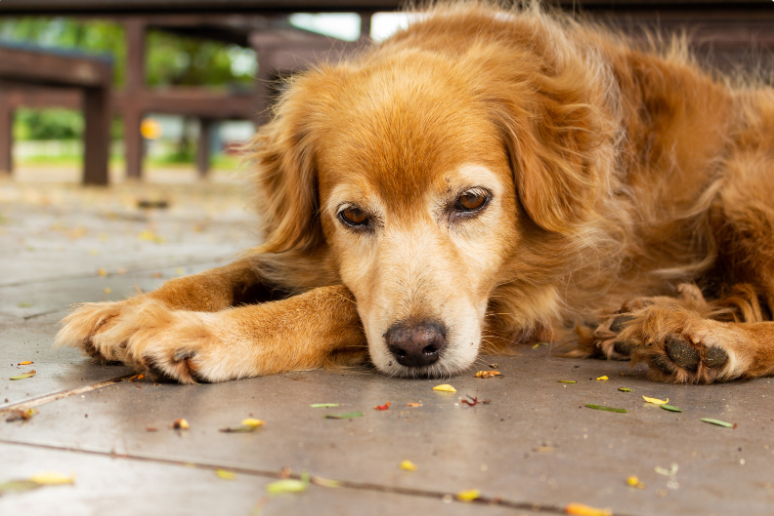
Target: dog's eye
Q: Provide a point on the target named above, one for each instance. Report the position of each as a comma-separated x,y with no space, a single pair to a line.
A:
353,216
470,201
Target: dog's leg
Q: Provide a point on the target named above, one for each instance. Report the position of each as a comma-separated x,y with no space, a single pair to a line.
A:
208,291
302,332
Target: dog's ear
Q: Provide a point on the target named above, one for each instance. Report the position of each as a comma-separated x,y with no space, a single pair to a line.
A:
554,136
285,162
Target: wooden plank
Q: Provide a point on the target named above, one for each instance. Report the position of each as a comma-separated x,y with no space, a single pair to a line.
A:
52,69
6,133
96,136
203,147
146,7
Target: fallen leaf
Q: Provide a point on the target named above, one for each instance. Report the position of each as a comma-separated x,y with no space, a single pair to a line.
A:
323,405
444,388
25,305
94,252
706,420
102,272
624,389
386,406
180,271
670,408
606,409
413,404
26,362
472,403
324,482
488,374
21,414
225,475
635,482
348,415
157,275
52,478
493,366
138,376
107,290
151,429
150,236
288,485
567,381
672,471
18,486
408,465
602,378
656,401
24,376
248,425
578,509
468,495
181,424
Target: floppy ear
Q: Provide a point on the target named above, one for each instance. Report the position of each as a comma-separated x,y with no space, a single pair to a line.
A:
285,161
554,135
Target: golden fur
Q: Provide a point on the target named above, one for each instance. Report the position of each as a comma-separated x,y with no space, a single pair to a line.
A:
622,186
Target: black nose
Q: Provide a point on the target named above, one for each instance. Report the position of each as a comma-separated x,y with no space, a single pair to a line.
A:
416,345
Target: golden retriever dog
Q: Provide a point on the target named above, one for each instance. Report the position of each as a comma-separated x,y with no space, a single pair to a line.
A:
483,178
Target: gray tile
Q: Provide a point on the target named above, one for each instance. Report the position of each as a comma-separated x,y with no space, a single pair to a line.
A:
56,370
490,447
119,486
33,299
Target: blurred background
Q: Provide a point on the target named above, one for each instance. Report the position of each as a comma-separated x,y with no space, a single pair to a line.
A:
105,91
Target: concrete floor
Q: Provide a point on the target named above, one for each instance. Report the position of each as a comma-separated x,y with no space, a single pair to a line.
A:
532,450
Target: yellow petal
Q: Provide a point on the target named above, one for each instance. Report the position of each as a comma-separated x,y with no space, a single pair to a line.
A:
444,388
655,401
181,424
408,465
578,509
225,475
468,495
602,378
253,422
52,478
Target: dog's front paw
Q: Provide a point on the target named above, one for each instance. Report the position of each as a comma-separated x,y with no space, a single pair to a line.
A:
88,320
174,344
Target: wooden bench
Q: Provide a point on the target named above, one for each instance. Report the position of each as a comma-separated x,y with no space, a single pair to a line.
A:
92,75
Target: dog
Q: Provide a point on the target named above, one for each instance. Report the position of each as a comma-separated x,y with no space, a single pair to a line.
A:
483,178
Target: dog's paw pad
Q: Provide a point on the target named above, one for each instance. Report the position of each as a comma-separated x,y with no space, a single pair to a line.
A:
715,357
681,352
624,348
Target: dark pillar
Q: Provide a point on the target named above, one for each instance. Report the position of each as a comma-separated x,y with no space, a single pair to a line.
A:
365,25
134,85
96,136
203,149
6,134
262,86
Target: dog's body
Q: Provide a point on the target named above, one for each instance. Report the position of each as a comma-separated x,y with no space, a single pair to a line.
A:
486,177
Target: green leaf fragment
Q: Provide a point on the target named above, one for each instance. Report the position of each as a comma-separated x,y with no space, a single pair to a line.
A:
624,389
18,486
567,381
606,409
348,415
323,405
670,408
243,429
22,376
287,485
717,422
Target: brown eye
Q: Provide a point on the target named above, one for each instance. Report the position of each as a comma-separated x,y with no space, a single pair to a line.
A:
354,216
470,201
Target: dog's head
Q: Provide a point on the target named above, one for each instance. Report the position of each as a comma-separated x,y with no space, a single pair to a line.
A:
422,175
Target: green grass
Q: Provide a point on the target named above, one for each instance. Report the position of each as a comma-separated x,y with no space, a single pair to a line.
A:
219,161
